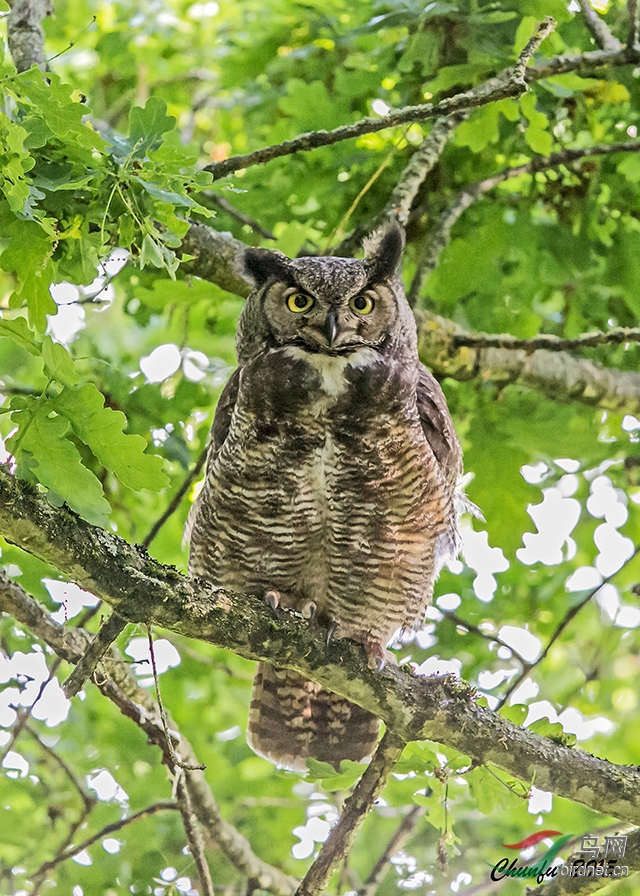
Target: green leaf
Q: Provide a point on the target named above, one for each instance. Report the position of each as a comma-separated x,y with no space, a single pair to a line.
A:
151,253
166,195
42,446
516,713
100,428
18,330
58,362
147,125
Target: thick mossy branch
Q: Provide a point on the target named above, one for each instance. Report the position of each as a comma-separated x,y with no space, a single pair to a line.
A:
555,374
414,708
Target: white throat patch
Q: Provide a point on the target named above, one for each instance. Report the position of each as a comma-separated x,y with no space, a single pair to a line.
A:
332,367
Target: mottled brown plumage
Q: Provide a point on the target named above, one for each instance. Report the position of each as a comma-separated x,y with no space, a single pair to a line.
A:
330,478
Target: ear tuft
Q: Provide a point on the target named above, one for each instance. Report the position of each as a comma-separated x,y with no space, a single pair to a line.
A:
383,251
263,264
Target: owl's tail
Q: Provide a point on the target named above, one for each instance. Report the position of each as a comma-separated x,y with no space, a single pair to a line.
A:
292,719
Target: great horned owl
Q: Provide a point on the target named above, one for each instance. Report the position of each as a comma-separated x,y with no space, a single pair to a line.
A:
330,478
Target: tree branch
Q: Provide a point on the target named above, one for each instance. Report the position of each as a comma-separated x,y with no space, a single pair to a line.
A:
120,686
557,375
615,336
25,33
395,844
437,708
509,83
106,635
403,196
193,834
439,238
569,616
175,502
634,24
217,257
599,28
225,206
356,808
111,828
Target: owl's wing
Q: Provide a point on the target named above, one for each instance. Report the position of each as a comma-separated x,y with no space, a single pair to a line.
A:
219,432
223,414
438,426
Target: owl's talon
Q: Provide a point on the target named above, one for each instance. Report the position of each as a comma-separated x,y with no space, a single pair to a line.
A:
308,610
272,598
331,632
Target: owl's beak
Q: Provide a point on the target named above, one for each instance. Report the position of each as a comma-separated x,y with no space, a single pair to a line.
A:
330,328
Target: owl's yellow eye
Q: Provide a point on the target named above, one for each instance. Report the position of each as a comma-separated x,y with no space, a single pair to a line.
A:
298,302
362,304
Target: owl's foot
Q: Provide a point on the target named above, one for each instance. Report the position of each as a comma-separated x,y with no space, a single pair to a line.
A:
272,599
331,632
308,610
377,656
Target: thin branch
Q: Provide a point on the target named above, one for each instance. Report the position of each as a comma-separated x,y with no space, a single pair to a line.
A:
120,686
543,30
114,827
395,844
194,835
437,708
225,206
85,796
177,498
25,33
599,28
89,803
568,617
106,635
615,336
177,763
422,162
634,24
509,83
24,714
340,841
438,241
439,238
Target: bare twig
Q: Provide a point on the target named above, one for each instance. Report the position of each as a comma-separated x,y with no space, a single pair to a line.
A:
395,844
599,28
615,336
25,32
176,761
572,612
106,635
177,498
160,806
509,83
194,835
356,808
225,206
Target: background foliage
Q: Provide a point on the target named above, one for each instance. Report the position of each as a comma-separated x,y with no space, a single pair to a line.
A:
108,389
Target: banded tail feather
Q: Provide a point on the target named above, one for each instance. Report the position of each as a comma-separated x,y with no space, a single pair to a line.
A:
292,719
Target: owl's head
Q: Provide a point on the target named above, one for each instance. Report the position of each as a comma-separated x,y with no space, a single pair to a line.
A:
326,304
